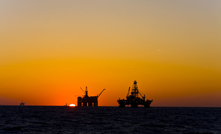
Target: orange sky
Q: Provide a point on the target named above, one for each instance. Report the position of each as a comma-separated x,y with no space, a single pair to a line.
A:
49,49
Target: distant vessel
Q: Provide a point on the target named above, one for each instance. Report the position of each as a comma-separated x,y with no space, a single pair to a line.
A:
133,99
22,104
88,100
66,105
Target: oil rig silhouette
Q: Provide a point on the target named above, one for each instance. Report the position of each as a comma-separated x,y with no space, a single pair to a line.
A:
133,99
88,100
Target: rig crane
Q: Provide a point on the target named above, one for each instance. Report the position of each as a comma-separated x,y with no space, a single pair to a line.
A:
82,90
100,93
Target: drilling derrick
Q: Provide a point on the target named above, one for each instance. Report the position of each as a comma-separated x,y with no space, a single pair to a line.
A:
135,91
134,98
88,100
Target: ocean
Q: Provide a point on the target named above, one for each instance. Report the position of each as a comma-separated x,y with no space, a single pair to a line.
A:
109,120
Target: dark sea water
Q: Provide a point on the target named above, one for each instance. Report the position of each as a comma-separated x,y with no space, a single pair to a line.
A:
99,120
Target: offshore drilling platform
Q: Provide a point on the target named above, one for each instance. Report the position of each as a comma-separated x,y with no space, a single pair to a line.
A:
88,100
133,99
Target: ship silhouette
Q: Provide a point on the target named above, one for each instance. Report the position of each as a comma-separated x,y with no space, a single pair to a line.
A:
22,104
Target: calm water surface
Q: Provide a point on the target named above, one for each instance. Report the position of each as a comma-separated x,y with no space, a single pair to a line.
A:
101,120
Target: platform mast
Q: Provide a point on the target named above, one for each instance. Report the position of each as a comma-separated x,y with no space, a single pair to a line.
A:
86,92
135,91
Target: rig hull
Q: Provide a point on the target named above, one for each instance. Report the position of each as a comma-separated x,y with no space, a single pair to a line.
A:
134,103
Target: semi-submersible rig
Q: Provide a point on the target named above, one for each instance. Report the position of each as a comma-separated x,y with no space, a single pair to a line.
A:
133,99
88,100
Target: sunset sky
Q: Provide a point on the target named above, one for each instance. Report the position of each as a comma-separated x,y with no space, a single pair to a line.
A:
51,48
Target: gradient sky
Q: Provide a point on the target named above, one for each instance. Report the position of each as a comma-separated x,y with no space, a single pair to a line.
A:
49,49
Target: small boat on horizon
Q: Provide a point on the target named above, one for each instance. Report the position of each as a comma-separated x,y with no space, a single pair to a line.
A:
22,104
66,105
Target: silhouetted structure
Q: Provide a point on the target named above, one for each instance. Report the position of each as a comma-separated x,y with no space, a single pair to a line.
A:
88,101
133,99
22,104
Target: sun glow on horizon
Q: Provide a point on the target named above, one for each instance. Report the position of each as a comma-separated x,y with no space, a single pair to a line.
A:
72,105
